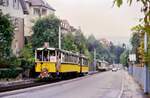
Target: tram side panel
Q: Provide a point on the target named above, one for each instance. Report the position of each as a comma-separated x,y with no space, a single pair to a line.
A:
50,66
84,65
65,67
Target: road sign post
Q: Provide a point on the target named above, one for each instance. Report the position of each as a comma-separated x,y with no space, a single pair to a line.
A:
132,59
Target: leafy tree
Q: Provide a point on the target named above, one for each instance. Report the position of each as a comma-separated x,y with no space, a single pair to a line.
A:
80,42
124,58
6,37
135,40
139,30
118,51
27,52
92,43
46,30
27,59
69,42
103,52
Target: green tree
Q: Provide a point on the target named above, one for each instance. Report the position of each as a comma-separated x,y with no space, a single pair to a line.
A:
27,53
46,30
80,42
69,42
143,27
103,52
135,41
6,37
124,58
27,60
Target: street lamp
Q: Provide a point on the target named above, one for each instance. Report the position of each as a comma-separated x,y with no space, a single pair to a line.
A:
59,37
94,59
145,66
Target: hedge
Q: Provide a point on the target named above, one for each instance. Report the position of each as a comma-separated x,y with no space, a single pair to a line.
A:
10,73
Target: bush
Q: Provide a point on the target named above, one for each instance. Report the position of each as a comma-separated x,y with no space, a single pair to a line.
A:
27,64
11,62
27,57
10,73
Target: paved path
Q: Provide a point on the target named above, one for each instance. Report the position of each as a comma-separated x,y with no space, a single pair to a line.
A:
131,88
103,85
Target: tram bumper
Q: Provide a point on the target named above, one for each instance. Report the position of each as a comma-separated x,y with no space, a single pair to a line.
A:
44,73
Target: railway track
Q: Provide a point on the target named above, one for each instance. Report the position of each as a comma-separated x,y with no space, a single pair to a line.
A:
17,86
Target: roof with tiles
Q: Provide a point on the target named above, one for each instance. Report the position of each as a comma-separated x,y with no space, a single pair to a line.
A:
24,7
40,3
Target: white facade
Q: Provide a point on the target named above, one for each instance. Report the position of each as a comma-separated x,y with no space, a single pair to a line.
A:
15,10
35,12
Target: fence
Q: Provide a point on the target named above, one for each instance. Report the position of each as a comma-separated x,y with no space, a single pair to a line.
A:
138,75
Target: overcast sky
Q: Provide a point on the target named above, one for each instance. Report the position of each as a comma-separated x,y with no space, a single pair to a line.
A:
99,18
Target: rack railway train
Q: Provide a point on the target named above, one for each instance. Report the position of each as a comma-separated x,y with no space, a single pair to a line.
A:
53,62
102,65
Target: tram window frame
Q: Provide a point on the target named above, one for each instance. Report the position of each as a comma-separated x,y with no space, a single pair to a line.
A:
44,57
39,58
62,57
85,62
52,53
71,58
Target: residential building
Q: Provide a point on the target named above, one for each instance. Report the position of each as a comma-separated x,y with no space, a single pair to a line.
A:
16,9
65,26
37,9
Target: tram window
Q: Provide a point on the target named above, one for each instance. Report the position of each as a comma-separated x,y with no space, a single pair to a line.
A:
52,56
74,59
63,57
39,55
45,55
69,58
52,53
59,55
85,62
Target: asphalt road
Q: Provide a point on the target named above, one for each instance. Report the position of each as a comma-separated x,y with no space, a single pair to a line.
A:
103,85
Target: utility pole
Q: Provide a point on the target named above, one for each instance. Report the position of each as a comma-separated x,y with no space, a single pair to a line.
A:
146,65
59,36
94,59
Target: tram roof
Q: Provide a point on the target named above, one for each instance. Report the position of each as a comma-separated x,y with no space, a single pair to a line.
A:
64,51
99,60
46,48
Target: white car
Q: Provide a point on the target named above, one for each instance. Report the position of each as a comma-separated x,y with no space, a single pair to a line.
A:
114,69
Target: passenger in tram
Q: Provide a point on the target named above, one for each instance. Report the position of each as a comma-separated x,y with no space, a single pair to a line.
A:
39,56
46,56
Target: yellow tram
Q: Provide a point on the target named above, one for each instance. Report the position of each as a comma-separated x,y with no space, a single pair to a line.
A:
53,62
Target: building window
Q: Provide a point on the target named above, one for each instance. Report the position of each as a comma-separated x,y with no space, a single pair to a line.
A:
16,4
36,11
44,12
4,2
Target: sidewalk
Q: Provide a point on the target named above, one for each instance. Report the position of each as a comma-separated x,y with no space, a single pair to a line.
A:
131,88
